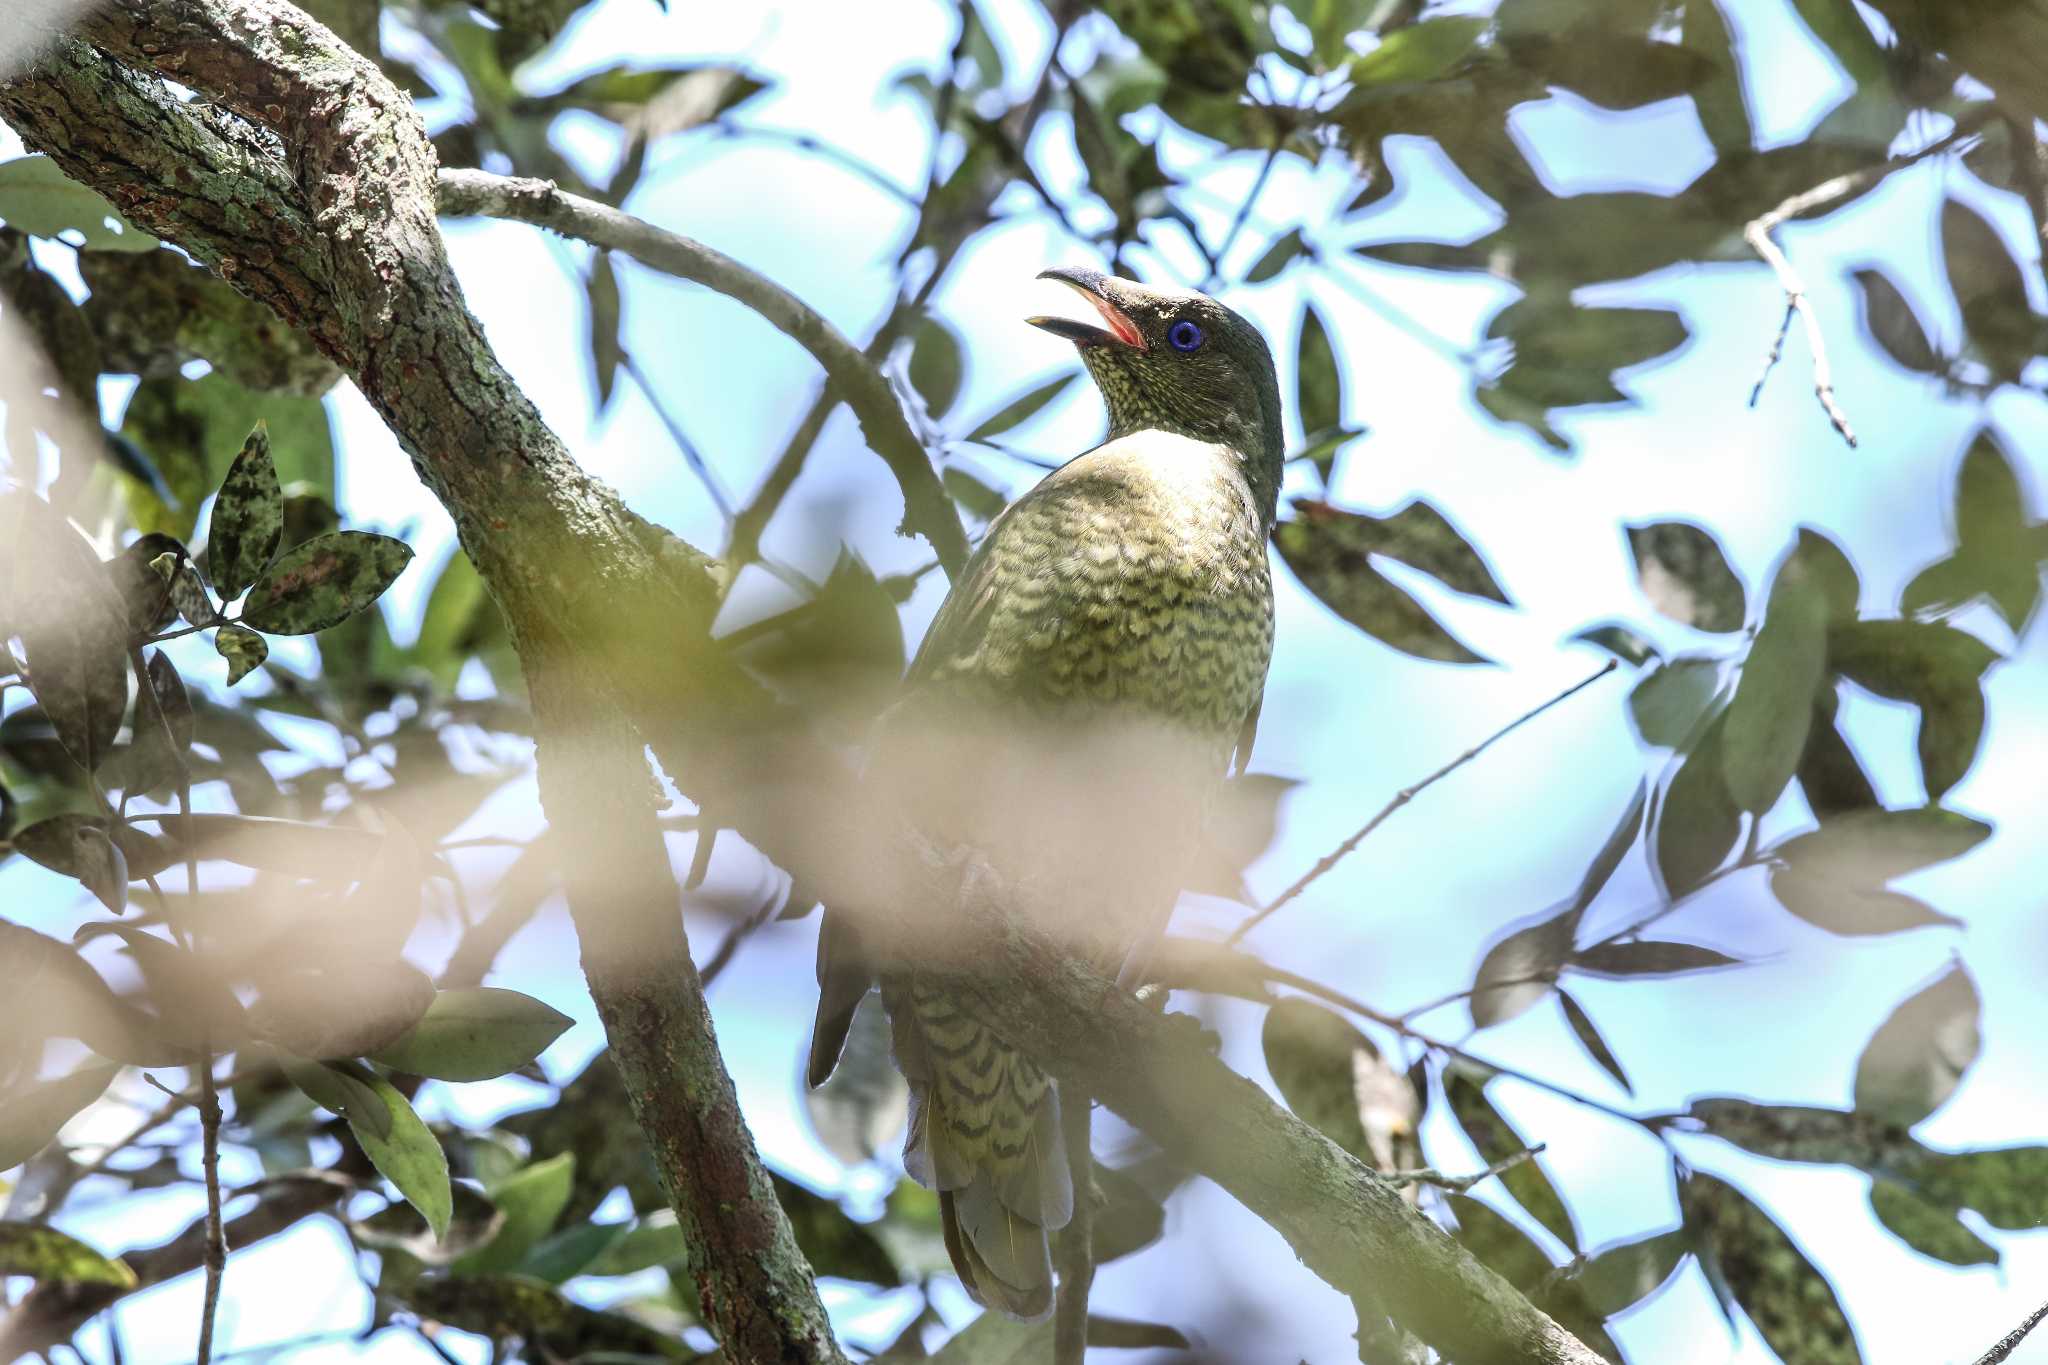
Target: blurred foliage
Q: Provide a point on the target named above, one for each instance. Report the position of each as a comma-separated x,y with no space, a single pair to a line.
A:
334,799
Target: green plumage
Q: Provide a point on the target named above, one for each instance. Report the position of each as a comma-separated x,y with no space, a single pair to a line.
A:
1071,715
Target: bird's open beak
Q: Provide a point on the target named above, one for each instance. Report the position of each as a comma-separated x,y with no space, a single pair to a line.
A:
1117,329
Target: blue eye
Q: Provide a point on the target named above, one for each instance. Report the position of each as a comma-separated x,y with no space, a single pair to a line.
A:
1185,335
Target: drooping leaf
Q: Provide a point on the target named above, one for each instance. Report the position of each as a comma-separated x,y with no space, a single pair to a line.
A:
39,199
1497,1140
344,1088
1669,703
1697,823
474,1035
1686,576
1751,1262
937,365
1917,1057
1588,1033
531,1199
1764,730
34,1112
50,1257
248,518
1990,287
324,582
601,308
1023,408
1893,323
1319,391
408,1155
1648,957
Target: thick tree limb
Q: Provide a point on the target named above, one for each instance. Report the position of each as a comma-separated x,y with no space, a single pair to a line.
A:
331,199
926,507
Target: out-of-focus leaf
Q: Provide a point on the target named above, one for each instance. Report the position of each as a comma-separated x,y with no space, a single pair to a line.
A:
937,365
1790,1132
567,1253
1276,258
474,1035
1124,1334
51,1257
1328,549
248,517
324,582
1022,409
1893,323
843,656
1997,554
1508,1251
1842,906
1917,1057
1669,703
654,102
1566,355
155,312
1497,1140
978,498
398,1227
1623,1274
1990,287
1936,667
39,199
831,1241
1697,824
1421,52
1750,1261
531,1200
79,847
338,1009
1330,1075
1619,841
1870,848
73,627
1833,781
2004,1184
1648,957
1588,1034
192,428
1928,1228
1764,729
862,1108
1522,966
652,1241
1319,392
1686,577
1828,567
243,649
1240,829
35,1112
1623,643
602,304
502,1307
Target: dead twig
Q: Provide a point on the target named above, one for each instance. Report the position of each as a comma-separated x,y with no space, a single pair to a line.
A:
2010,1342
1458,1184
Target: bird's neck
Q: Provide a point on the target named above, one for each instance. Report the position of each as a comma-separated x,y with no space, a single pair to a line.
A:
1254,455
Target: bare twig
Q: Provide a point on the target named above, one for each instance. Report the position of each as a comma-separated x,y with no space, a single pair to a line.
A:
2010,1342
1758,234
1458,1184
1077,1249
1402,798
1244,211
216,1238
927,508
692,456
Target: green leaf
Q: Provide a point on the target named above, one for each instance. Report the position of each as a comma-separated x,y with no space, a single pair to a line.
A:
831,1241
39,199
192,428
978,498
189,596
1315,1059
1418,53
1319,385
1767,721
408,1156
172,700
1834,782
531,1199
601,295
1928,1228
474,1035
1997,554
1934,666
34,1112
1497,1140
324,582
572,1251
1327,548
1686,577
1670,703
1589,1038
554,1327
1846,907
653,1240
1521,967
50,1257
337,1007
1696,825
1917,1057
1620,1275
2004,1184
1893,323
243,648
1648,957
1022,409
1749,1260
248,518
73,626
1869,848
1277,257
345,1088
936,366
1514,1256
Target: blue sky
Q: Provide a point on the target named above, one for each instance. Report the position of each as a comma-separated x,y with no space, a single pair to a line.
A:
1404,919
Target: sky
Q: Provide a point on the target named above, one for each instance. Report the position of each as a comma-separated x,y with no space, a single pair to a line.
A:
1404,920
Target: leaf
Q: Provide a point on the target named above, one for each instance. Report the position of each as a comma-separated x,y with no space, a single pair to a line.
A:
243,648
1504,1248
1990,286
1497,1140
408,1156
1421,52
1619,841
1934,666
532,1199
474,1035
1765,727
1893,323
192,428
1828,567
172,700
981,501
73,627
1240,828
248,518
1022,409
1319,386
1589,1038
658,101
1748,1258
1845,907
1671,701
1565,355
1277,257
339,1008
39,199
1109,1333
2004,1184
1833,781
1870,848
36,1111
1648,957
1314,1057
344,1088
1997,554
1621,1275
1928,1228
553,1327
1697,824
601,298
1521,967
50,1257
653,1240
1328,548
1686,576
571,1251
862,1109
324,582
1917,1057
271,843
831,1241
190,598
937,366
1623,643
78,846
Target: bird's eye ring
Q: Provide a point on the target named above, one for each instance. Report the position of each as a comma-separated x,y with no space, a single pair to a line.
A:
1185,335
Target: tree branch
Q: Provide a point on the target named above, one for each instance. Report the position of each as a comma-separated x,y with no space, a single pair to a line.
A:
2010,1342
927,508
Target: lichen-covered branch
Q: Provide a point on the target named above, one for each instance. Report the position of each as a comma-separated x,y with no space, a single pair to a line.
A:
927,508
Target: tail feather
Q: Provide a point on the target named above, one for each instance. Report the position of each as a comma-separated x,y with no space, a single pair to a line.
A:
1003,1258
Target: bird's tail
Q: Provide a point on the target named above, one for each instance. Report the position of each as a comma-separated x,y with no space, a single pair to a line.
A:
985,1133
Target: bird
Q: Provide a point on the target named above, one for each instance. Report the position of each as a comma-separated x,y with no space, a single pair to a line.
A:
1088,685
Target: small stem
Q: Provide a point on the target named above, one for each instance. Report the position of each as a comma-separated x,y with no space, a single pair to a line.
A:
1458,1184
692,456
1077,1251
1402,798
1244,212
2010,1342
216,1238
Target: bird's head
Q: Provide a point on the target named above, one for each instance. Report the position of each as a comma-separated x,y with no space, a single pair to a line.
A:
1179,361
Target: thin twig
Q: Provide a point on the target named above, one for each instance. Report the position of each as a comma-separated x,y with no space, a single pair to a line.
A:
216,1237
692,456
1402,798
804,142
1244,211
2010,1342
1077,1249
1458,1184
1758,234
